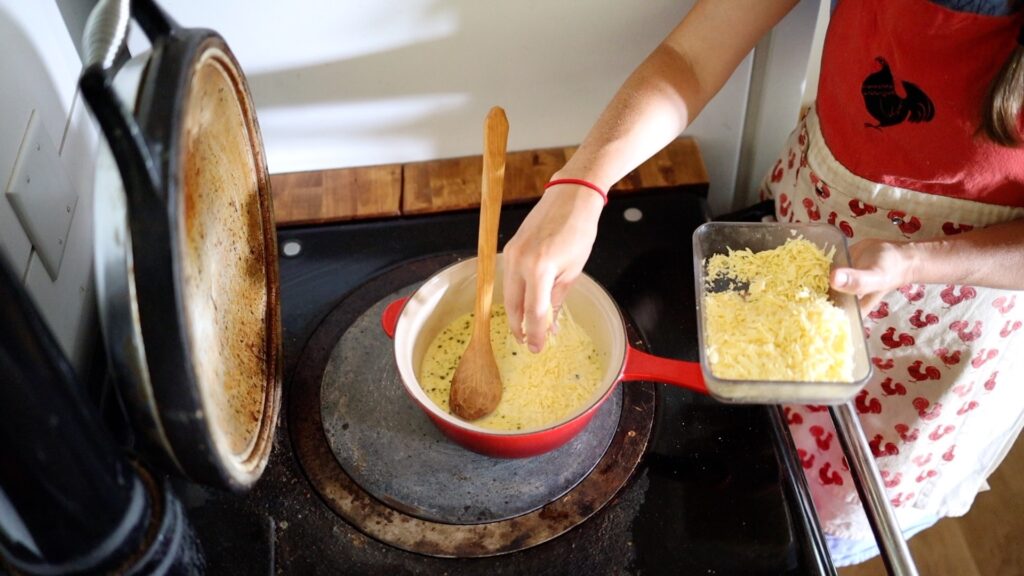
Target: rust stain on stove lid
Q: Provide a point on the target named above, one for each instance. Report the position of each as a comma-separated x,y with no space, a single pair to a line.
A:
228,273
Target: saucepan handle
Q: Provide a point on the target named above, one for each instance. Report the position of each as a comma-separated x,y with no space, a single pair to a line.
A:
389,318
651,368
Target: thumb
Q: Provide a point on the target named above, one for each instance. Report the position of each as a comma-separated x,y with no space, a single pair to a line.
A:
853,281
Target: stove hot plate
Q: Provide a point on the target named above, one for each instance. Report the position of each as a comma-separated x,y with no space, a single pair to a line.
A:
380,464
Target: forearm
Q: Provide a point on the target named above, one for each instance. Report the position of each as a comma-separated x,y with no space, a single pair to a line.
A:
991,257
652,107
673,84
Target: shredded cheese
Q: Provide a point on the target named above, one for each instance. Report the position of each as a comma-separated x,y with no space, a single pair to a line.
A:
769,318
539,389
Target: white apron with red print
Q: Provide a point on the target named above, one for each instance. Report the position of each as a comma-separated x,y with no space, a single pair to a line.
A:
945,401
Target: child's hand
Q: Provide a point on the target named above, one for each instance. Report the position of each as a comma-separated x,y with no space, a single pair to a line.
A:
545,257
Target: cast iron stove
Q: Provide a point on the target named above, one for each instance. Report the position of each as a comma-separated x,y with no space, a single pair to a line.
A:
663,481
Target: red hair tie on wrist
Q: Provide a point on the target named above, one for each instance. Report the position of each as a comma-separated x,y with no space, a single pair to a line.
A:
594,187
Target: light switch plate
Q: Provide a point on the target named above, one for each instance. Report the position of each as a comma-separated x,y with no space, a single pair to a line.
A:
42,195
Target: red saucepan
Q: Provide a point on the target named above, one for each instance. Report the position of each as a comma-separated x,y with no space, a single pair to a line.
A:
415,321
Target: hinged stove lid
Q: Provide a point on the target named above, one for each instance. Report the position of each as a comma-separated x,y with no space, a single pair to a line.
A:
186,257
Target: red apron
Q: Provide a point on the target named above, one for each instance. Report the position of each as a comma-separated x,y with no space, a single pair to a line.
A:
943,405
900,93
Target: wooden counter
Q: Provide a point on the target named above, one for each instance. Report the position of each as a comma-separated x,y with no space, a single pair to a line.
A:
344,194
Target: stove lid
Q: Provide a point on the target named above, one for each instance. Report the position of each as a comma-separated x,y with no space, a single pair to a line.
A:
186,253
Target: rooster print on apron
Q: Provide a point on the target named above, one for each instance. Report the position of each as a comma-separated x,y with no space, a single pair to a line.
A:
945,401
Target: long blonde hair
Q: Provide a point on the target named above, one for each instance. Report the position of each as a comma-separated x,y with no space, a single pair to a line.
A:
1001,116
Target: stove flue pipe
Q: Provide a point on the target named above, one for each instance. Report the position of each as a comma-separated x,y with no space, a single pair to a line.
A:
70,502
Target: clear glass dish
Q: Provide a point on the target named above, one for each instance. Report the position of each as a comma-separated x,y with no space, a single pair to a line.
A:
717,238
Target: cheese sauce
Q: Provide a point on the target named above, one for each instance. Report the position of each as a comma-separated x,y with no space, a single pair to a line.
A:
539,389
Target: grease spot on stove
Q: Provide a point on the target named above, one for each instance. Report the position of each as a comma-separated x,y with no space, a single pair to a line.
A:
632,214
291,248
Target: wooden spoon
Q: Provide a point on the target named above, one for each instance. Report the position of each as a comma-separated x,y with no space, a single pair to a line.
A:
476,384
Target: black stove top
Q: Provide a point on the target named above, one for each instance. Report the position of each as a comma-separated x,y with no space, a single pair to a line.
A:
718,490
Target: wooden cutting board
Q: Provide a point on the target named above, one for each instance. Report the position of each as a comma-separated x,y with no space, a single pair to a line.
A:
390,190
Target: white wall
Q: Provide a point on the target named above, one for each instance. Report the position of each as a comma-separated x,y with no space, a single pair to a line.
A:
784,76
348,82
38,75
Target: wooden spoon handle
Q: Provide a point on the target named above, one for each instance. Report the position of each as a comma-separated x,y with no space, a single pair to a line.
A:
495,142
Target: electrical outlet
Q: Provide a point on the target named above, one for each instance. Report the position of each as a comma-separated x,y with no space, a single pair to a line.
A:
42,195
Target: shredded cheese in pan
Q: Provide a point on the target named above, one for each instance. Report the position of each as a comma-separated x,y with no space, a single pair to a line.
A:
768,316
539,389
